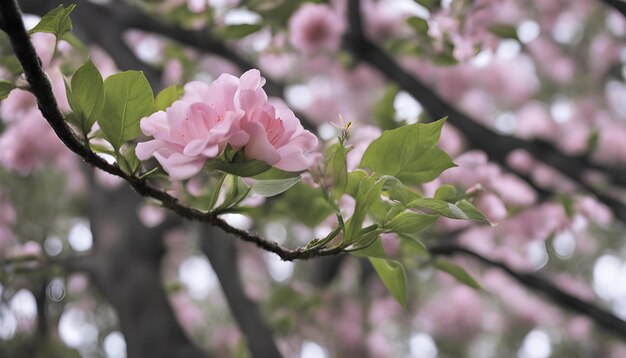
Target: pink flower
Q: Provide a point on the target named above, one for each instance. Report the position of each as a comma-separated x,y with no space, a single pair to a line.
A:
29,143
315,27
233,111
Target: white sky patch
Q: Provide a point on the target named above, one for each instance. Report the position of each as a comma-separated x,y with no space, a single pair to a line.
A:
566,31
608,278
327,131
508,49
409,7
8,323
238,221
537,254
149,50
23,304
407,108
30,21
312,350
422,345
535,345
279,270
506,122
482,59
276,231
80,236
528,30
241,16
114,345
198,276
564,244
53,245
75,330
561,110
299,96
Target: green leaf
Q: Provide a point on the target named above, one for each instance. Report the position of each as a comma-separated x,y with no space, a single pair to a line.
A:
5,88
273,187
410,222
445,58
457,272
237,191
86,97
248,168
398,191
418,24
129,98
429,4
167,96
234,32
354,180
274,173
408,153
337,168
368,193
373,248
412,246
384,111
446,192
56,21
131,158
393,276
504,31
304,204
463,209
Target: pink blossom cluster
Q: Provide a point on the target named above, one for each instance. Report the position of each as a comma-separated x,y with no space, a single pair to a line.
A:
230,111
315,27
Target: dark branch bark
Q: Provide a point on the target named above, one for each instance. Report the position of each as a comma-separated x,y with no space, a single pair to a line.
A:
222,253
618,5
598,315
478,136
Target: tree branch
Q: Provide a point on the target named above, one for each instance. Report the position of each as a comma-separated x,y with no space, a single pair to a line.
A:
478,136
222,253
600,316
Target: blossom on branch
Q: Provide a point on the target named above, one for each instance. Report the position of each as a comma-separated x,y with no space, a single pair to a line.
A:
230,111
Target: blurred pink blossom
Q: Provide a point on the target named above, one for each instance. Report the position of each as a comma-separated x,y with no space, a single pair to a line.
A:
315,27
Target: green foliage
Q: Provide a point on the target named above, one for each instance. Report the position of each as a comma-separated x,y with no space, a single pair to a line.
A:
457,272
393,276
86,95
462,209
248,168
237,192
56,21
367,194
337,168
304,204
429,4
128,99
504,31
273,187
5,88
408,153
410,223
383,111
446,192
234,32
167,96
129,161
418,24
